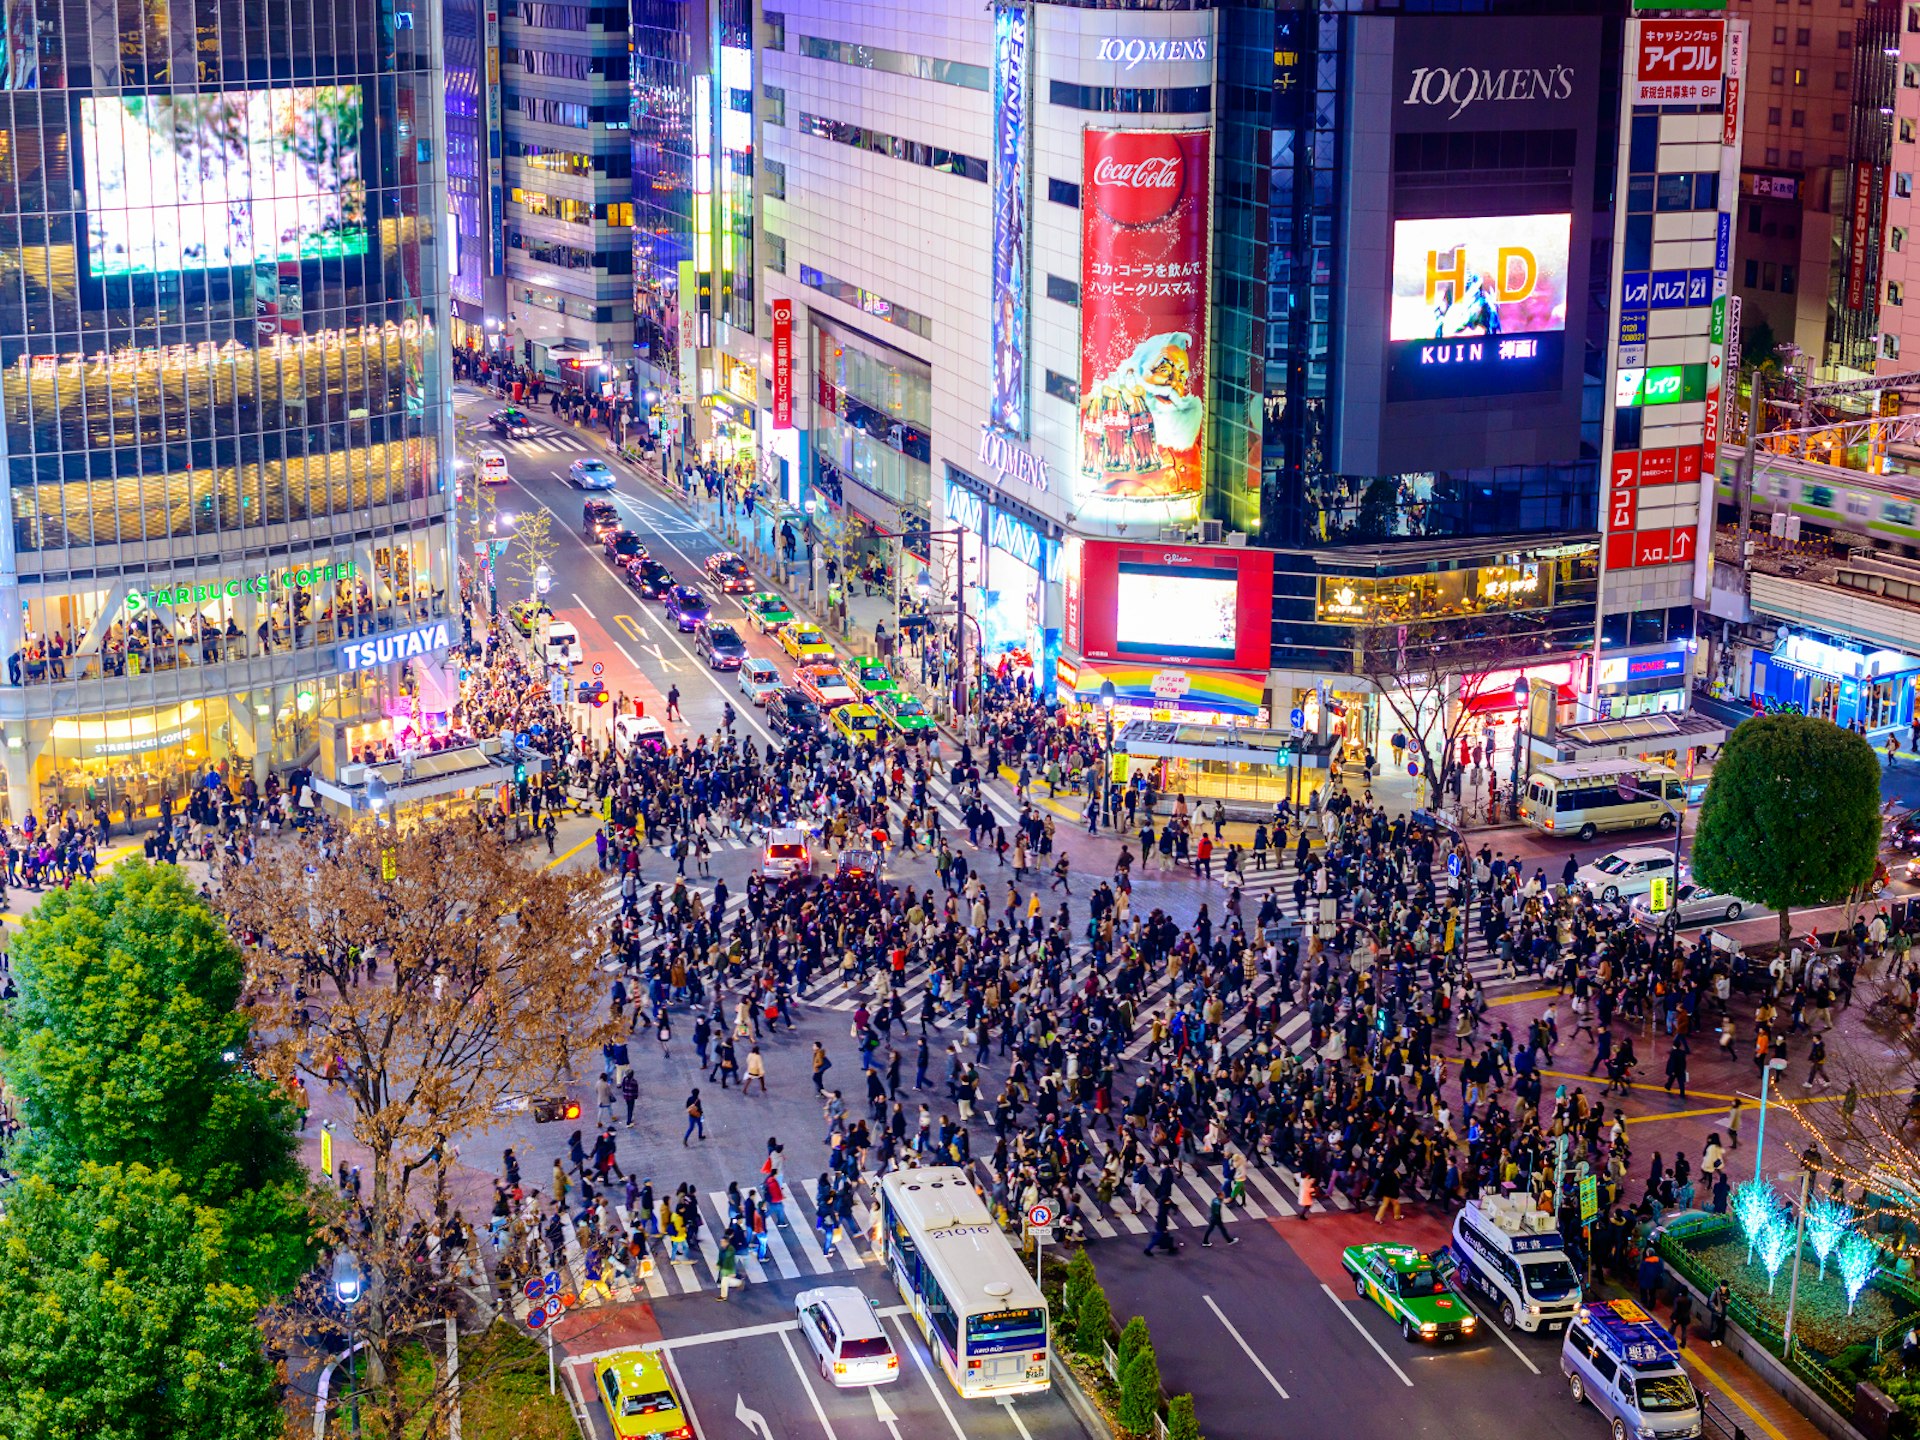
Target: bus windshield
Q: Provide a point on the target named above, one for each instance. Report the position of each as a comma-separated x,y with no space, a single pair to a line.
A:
1005,1330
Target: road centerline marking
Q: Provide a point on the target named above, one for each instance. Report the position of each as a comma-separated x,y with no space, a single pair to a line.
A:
1241,1341
806,1384
1366,1335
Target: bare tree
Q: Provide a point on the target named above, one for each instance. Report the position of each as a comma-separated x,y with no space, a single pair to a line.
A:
1424,676
533,544
437,975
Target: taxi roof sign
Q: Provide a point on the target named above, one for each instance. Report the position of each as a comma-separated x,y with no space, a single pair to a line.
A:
1630,1334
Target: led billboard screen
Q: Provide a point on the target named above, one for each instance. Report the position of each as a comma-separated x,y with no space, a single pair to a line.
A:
1163,610
1479,304
197,182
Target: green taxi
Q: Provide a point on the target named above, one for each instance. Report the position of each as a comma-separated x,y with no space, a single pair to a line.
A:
527,614
873,678
903,713
1402,1281
767,611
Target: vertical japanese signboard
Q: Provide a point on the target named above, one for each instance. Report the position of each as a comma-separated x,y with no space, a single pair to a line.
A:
1859,239
1143,321
783,364
1011,283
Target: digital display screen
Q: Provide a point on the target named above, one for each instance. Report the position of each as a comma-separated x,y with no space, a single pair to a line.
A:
198,182
1164,610
1479,304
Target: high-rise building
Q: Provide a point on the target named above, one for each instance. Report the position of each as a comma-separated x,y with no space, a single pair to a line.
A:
569,193
476,197
223,292
1220,361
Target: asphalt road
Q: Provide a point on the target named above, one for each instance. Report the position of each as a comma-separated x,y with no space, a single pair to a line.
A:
1272,1340
744,1370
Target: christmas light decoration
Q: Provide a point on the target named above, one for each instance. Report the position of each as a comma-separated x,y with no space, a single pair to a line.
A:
1754,1206
1775,1243
1827,1221
1858,1259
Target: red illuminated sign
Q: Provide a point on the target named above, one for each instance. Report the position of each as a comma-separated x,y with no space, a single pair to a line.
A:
783,364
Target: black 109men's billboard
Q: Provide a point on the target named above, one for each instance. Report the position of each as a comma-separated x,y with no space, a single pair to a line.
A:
1467,240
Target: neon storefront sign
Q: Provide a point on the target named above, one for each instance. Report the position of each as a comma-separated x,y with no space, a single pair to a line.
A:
385,649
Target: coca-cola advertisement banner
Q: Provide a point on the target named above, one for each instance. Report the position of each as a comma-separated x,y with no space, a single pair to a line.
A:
1143,324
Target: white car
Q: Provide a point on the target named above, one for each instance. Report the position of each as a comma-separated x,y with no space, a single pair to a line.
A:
759,679
632,730
848,1340
560,644
1692,904
787,853
1622,874
590,474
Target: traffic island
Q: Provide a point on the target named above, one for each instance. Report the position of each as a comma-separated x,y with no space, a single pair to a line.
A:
1845,1369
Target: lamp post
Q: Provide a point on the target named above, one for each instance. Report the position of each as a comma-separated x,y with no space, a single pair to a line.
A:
1760,1140
348,1286
1107,696
1520,696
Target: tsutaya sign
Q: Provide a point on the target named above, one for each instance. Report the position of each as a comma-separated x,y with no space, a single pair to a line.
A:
301,577
385,649
1012,459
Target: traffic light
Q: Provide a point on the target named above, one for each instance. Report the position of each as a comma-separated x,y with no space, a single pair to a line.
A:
555,1107
519,772
599,693
591,692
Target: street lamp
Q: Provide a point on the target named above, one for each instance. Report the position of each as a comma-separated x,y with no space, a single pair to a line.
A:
348,1286
1521,694
1107,696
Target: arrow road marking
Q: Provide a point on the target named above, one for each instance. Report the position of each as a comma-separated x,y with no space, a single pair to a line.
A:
1240,1340
806,1383
755,1422
883,1412
1006,1404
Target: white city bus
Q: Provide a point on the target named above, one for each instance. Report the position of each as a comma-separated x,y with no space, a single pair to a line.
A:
983,1317
1582,799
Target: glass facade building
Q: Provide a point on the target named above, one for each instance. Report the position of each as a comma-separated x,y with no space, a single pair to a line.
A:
1314,148
662,141
223,388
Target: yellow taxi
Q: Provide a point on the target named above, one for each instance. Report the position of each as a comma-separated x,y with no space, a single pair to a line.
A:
804,642
640,1402
856,722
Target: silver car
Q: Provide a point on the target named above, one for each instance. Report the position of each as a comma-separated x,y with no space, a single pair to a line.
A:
1692,904
849,1343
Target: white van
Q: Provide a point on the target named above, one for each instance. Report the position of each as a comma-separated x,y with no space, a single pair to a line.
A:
1512,1254
560,643
493,467
850,1345
1623,1360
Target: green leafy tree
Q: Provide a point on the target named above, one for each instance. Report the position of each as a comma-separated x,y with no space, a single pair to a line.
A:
1181,1422
1792,815
116,1320
1132,1338
1140,1392
1092,1321
1079,1276
122,1049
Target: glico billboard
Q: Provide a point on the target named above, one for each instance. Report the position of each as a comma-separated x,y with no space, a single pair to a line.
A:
1143,325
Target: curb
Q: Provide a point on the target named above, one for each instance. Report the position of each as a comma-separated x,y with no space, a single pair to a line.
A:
1084,1409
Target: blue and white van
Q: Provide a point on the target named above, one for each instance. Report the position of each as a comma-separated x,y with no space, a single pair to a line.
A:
1513,1256
1623,1360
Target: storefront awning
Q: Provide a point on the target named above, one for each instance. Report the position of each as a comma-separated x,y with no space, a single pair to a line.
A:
1226,692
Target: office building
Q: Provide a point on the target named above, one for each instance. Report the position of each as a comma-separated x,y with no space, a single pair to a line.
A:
568,208
223,291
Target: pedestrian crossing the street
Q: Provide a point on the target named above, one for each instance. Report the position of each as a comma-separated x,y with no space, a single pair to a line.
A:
800,1249
546,442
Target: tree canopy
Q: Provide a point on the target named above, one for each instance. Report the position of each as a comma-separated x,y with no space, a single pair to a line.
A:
115,1320
1791,816
123,1047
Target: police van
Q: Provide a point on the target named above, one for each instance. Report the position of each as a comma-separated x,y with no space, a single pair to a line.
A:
1624,1361
1512,1254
